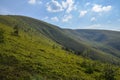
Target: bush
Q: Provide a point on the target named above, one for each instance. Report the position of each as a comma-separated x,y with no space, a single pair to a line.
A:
90,69
109,73
16,30
1,36
88,66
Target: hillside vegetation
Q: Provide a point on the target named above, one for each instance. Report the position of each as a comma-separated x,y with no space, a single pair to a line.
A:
34,50
69,41
102,40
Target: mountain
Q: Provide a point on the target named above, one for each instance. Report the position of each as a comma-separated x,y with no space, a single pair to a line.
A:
107,41
62,37
31,49
103,40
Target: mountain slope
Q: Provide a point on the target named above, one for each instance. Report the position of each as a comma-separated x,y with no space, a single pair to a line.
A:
106,41
58,35
33,54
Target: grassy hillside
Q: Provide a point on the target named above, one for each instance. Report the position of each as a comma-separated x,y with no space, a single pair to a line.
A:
68,42
28,53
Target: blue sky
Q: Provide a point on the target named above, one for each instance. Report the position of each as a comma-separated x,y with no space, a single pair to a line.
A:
74,14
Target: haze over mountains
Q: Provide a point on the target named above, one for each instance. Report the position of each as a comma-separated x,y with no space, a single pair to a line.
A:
44,49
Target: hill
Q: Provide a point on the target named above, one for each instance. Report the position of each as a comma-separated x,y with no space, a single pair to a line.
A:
110,39
70,43
104,40
35,50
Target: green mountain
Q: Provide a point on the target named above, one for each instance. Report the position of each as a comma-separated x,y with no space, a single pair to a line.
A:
107,41
102,40
31,49
69,41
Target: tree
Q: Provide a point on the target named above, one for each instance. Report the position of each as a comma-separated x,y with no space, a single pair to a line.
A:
86,53
16,30
88,66
54,46
1,35
109,73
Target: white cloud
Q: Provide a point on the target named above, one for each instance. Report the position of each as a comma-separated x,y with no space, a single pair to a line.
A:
82,13
68,5
93,19
66,18
54,6
55,19
107,8
33,2
100,8
87,4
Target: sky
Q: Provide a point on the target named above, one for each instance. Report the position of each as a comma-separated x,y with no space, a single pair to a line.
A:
73,14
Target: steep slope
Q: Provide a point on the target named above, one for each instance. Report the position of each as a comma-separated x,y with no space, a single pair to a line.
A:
46,29
33,55
58,35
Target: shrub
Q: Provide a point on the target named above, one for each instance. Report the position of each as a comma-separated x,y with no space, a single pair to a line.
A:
16,30
109,73
1,36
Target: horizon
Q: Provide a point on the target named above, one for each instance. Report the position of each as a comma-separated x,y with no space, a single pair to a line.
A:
70,14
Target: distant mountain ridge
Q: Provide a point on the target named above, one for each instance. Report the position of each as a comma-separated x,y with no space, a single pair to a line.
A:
108,40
